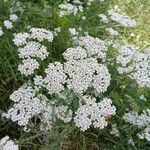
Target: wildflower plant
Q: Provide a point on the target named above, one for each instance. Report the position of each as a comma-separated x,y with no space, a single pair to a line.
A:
74,78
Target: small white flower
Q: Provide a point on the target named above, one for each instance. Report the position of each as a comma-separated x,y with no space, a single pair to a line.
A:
8,24
28,66
21,38
13,17
124,20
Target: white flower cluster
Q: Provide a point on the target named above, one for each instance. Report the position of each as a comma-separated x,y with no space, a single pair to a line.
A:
136,63
7,144
139,120
8,24
85,72
142,121
26,105
95,47
32,49
75,53
68,8
55,77
95,114
80,72
124,20
41,34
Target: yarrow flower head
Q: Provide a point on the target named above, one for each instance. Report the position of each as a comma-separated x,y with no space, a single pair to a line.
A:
94,114
94,46
55,77
136,63
8,24
13,17
32,49
41,34
142,121
68,8
7,144
28,66
26,105
124,20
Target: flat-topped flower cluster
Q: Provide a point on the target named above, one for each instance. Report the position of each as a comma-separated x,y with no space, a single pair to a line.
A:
79,73
135,64
7,144
30,48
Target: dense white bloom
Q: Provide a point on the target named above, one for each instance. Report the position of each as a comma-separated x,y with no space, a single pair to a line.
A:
26,105
41,34
122,19
94,46
55,77
13,17
64,113
106,107
111,31
24,92
33,49
136,63
115,131
86,73
101,80
8,24
104,18
75,53
28,66
141,120
7,144
80,74
126,54
93,114
1,31
68,8
20,38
